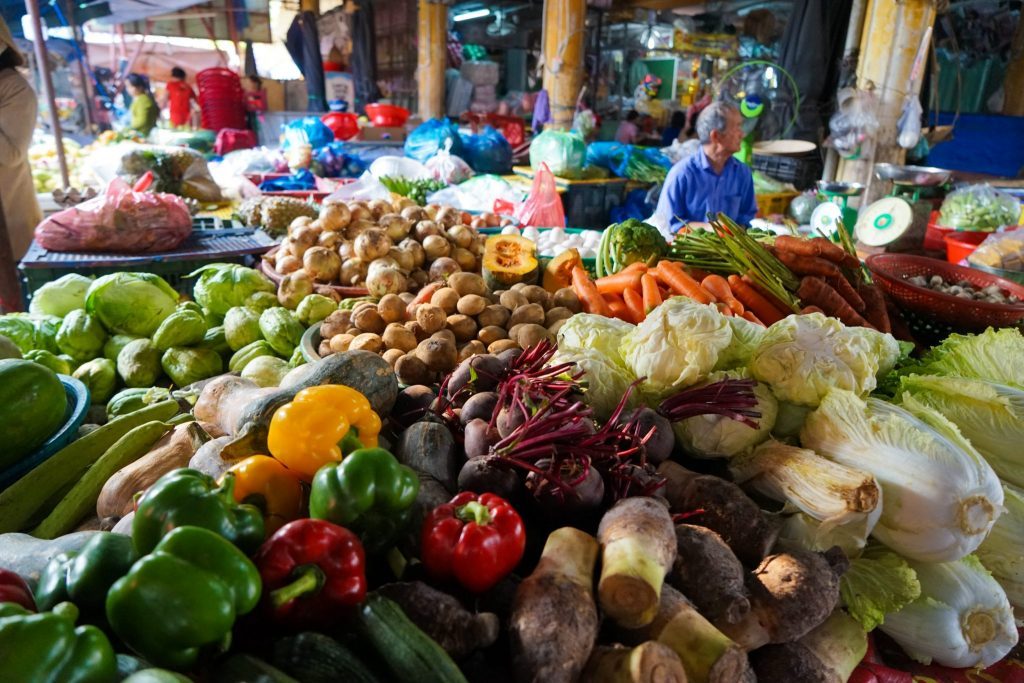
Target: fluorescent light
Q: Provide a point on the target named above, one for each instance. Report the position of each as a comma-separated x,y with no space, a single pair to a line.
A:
472,14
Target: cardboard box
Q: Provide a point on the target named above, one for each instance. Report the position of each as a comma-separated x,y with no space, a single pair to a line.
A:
375,134
275,94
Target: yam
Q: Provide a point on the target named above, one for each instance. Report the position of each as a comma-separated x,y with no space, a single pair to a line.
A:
443,618
708,573
650,662
429,447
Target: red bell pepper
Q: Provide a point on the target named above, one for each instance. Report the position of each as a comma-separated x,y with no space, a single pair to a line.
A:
313,571
14,589
475,539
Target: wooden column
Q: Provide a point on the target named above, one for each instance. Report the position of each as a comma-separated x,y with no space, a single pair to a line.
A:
431,59
1013,105
893,30
564,27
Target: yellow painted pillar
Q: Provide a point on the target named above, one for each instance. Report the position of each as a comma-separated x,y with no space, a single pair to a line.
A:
564,31
432,57
1013,105
310,6
892,34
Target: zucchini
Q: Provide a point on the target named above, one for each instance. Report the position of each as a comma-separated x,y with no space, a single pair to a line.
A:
242,668
81,499
20,501
316,658
410,654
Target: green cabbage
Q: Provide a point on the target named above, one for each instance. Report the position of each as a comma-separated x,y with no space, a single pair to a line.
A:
606,383
49,360
717,436
745,338
241,326
185,366
990,415
20,329
81,336
139,363
184,327
61,296
266,371
940,497
802,357
47,327
99,376
131,303
977,356
314,308
677,346
280,328
223,285
586,331
877,583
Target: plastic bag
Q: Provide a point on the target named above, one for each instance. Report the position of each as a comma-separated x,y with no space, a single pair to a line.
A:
488,151
177,170
336,161
909,125
543,207
854,122
629,161
448,168
431,136
563,153
232,139
481,193
399,167
979,207
309,130
119,220
256,160
300,180
366,187
1000,250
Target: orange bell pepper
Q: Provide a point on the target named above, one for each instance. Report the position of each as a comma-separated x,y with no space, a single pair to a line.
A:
270,486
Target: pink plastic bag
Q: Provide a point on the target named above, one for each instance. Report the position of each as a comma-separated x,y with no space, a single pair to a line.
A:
542,207
119,220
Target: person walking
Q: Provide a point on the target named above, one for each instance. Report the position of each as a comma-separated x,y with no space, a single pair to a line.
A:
180,97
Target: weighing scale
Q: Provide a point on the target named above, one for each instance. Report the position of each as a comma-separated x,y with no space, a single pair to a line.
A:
827,215
898,222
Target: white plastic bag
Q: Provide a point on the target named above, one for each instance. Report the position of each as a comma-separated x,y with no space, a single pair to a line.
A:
477,194
447,167
366,187
399,167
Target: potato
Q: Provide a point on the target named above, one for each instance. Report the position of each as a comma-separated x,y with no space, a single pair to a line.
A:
398,336
418,278
519,285
411,370
335,323
502,345
417,330
530,313
367,341
341,342
439,355
443,268
391,308
463,326
465,258
354,331
447,298
494,315
556,314
472,348
512,299
531,335
368,319
471,304
431,318
324,349
537,295
468,283
556,326
490,334
392,356
445,334
566,298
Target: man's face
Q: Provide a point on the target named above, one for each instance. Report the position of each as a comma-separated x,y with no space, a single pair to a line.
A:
732,137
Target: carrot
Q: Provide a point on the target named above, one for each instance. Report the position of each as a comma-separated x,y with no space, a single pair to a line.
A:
747,315
808,265
635,304
679,282
816,292
874,308
771,298
753,301
719,288
806,310
649,289
635,267
617,307
817,246
724,309
846,290
615,284
587,292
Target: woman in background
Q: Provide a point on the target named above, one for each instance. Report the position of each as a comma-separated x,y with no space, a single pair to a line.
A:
144,112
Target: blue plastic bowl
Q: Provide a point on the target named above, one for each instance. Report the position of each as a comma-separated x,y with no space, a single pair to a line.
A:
74,416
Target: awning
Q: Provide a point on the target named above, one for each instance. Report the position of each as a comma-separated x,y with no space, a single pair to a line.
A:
125,11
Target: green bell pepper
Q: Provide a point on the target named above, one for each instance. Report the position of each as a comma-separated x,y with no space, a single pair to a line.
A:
182,597
369,492
85,577
188,497
48,647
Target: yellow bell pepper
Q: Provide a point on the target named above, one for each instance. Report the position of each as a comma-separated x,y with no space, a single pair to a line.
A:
270,486
306,434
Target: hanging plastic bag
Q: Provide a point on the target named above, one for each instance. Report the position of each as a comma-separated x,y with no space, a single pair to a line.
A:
542,208
309,130
431,136
909,125
488,151
119,220
564,154
447,167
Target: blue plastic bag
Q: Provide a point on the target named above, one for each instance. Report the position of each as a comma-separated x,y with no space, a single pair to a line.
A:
309,130
610,155
300,180
430,136
487,152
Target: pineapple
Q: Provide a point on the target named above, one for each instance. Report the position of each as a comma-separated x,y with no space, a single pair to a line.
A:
249,212
277,213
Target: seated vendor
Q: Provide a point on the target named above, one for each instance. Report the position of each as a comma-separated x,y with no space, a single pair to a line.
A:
711,180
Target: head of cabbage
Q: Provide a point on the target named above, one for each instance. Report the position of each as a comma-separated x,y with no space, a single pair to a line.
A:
131,303
223,285
718,436
589,332
60,296
605,383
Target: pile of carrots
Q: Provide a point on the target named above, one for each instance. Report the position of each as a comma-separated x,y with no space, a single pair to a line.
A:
632,293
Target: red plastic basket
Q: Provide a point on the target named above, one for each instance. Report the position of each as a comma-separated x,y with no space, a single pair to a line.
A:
387,115
960,245
893,270
344,125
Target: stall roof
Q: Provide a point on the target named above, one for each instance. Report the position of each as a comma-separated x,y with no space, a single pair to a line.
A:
105,11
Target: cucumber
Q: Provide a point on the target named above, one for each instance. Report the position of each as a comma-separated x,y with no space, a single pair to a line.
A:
316,658
242,668
81,499
410,654
20,501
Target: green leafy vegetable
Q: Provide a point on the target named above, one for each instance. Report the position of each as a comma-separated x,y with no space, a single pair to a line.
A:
978,356
131,303
223,285
877,583
60,296
587,331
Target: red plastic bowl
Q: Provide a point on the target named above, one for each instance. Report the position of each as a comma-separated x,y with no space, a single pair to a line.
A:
387,115
344,125
959,245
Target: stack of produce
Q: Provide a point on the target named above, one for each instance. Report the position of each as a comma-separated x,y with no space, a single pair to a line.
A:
42,157
177,170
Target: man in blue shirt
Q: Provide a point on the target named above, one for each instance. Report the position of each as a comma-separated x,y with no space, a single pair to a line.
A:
710,180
